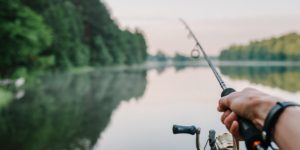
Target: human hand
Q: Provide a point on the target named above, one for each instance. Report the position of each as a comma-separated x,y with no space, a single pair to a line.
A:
250,104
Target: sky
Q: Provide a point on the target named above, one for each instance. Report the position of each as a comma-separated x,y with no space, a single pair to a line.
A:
217,23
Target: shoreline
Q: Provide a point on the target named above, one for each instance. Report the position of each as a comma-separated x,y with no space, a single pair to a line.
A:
203,63
148,65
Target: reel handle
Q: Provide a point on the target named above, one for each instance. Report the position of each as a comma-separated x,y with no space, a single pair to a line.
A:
247,129
178,129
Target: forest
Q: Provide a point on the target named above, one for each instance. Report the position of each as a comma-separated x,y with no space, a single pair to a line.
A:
283,48
63,34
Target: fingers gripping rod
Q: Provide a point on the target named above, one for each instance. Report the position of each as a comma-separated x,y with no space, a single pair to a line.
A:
213,68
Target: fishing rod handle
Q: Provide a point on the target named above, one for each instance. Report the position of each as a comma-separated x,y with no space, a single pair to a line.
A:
178,129
247,129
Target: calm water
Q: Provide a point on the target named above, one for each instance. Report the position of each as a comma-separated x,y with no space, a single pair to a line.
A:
129,109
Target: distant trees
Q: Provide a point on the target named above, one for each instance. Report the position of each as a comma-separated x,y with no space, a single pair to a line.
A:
64,34
179,57
286,47
160,56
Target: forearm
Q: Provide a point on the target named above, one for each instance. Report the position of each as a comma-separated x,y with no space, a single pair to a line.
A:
287,131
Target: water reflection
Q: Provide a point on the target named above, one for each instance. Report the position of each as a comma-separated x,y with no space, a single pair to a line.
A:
285,78
75,111
67,111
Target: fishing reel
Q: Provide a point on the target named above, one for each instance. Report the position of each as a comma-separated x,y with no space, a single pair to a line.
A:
221,142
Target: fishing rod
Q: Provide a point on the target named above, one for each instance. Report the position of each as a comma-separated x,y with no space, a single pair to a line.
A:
253,137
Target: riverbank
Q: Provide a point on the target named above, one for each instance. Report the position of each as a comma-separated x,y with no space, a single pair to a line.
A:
150,65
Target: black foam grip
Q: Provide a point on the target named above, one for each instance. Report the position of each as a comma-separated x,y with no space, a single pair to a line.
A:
246,127
249,132
227,92
178,129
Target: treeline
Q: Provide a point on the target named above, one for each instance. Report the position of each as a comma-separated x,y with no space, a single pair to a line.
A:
283,48
63,34
160,56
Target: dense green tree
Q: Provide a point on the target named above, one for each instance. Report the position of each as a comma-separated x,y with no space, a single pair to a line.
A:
23,36
101,56
66,33
134,47
65,21
98,24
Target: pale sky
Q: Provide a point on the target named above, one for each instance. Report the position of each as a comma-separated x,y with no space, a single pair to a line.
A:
217,23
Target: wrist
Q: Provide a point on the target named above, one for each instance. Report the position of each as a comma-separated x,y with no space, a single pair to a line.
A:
272,119
261,112
287,121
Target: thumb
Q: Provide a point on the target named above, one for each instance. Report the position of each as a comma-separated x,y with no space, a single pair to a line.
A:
224,104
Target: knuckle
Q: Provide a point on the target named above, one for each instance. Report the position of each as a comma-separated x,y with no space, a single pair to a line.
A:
221,99
248,89
222,119
227,122
251,97
232,129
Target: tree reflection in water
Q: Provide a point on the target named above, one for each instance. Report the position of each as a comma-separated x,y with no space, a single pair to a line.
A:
67,111
286,78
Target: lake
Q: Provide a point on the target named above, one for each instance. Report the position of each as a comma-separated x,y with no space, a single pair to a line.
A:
129,109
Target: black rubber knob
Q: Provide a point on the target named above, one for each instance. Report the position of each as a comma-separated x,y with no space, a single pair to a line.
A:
212,138
227,92
212,135
178,129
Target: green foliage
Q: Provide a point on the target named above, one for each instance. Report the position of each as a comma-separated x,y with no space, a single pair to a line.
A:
107,43
135,46
5,97
64,34
67,47
284,48
23,36
101,55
